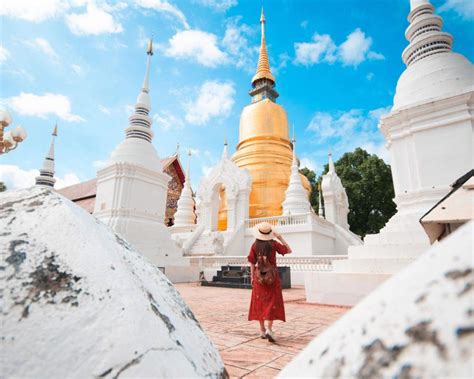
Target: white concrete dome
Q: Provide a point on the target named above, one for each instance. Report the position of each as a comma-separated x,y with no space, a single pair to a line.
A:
438,76
137,151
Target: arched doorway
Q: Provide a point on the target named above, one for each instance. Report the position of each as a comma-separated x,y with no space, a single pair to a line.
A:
219,208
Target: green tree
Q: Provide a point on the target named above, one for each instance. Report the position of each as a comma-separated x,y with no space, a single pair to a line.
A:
3,187
368,183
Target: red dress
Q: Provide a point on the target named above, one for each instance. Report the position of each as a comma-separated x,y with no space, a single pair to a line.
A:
267,300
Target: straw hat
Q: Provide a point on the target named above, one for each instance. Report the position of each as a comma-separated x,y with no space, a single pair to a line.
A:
263,231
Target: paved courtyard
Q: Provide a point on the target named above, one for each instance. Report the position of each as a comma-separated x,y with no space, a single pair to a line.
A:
222,313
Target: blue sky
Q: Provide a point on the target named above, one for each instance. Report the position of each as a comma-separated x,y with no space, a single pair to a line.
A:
82,63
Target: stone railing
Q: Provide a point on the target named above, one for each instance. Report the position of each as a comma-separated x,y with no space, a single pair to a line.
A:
301,219
307,263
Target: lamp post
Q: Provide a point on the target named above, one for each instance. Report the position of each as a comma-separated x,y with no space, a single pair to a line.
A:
9,140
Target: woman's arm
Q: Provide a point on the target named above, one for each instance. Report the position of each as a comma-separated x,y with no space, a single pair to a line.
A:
282,240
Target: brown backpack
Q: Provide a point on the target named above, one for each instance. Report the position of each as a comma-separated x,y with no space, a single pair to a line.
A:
264,270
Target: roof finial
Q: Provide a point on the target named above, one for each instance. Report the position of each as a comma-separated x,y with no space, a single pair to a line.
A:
263,67
177,150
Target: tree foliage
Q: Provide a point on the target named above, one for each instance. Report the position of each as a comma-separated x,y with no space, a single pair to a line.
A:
368,183
314,195
3,187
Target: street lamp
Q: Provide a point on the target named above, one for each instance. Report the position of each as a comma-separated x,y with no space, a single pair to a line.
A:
10,139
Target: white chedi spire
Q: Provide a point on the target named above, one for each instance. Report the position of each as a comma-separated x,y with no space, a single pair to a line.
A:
225,154
185,215
46,177
139,121
336,203
320,202
424,33
296,197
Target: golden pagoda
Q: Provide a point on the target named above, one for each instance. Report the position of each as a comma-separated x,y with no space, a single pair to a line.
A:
264,146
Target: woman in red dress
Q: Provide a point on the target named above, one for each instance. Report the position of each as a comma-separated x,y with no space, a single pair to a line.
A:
266,304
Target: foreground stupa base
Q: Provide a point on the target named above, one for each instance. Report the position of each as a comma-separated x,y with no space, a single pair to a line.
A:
398,245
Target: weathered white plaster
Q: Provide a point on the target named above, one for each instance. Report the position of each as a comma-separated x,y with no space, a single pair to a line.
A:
418,324
79,301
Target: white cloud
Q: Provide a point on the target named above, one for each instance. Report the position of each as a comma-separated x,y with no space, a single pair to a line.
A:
356,49
4,54
206,170
237,45
35,11
29,104
215,99
77,69
196,45
129,109
166,120
44,46
309,163
322,48
347,130
370,76
94,22
16,178
164,7
67,180
464,8
104,110
218,5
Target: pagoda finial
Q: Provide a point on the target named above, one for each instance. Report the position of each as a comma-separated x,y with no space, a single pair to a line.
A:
263,67
320,201
46,176
331,163
149,52
424,33
188,177
224,151
177,150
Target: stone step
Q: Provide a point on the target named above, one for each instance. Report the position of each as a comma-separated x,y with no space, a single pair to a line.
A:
230,279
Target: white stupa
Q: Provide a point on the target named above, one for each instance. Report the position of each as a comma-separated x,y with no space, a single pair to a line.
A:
80,302
430,137
296,198
336,204
185,215
46,176
132,188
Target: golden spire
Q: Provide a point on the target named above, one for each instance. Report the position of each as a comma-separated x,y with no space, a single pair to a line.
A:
263,68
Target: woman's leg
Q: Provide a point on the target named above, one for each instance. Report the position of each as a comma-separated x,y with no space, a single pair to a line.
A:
262,326
269,324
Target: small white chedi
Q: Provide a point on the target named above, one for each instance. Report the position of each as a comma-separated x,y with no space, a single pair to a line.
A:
418,324
132,190
79,301
430,137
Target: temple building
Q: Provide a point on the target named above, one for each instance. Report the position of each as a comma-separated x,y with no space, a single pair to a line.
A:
84,193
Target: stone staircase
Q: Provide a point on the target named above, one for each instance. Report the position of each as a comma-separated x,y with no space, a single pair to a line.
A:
208,243
239,277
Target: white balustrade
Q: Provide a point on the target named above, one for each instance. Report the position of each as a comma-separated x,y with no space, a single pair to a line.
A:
284,220
308,263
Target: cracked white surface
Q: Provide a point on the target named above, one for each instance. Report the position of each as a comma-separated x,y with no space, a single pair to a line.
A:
80,302
418,324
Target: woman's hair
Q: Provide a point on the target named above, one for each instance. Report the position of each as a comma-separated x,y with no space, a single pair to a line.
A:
263,247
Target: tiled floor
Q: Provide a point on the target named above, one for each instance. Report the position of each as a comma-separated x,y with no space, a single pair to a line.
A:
222,313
